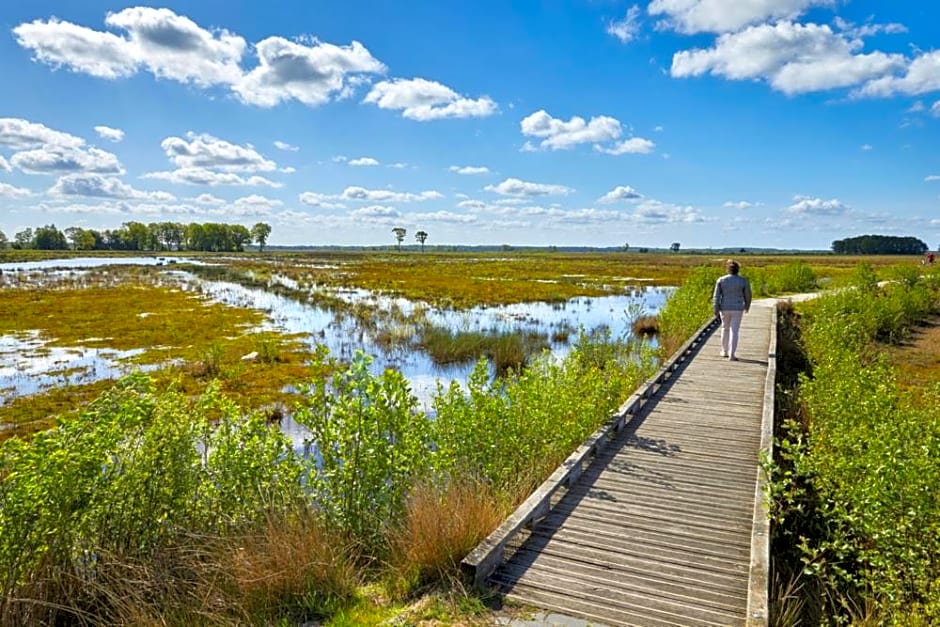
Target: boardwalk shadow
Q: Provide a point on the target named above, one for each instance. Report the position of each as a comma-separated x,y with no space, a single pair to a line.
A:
586,487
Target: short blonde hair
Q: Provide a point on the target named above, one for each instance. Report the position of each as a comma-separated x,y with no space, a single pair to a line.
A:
733,266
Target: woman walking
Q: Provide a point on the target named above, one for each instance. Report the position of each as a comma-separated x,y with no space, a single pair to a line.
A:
731,300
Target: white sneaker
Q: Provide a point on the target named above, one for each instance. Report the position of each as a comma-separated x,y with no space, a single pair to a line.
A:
723,354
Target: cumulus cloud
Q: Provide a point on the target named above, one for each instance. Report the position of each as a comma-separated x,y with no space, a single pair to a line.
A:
50,159
375,211
364,162
209,199
10,191
321,201
627,28
556,134
621,192
469,169
740,204
516,187
206,151
98,186
806,205
311,73
111,134
19,134
158,40
793,58
384,195
722,16
257,201
424,100
658,212
632,146
935,109
285,146
5,165
203,176
932,178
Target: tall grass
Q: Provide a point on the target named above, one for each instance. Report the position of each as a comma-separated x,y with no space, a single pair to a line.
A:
689,307
856,479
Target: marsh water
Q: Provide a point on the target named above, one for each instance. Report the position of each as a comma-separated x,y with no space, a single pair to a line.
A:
28,366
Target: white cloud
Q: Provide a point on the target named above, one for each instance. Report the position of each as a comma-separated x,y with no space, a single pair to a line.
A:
5,165
384,195
917,107
628,28
449,217
375,211
209,199
516,187
472,204
398,166
793,58
285,146
288,170
257,201
97,186
9,191
321,201
806,205
935,109
111,134
658,212
932,177
921,76
364,162
868,29
621,192
203,176
469,169
866,147
557,134
633,146
339,159
312,74
206,151
19,134
423,100
158,40
740,204
50,159
721,16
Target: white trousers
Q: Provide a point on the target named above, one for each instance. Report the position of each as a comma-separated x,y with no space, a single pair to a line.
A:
730,326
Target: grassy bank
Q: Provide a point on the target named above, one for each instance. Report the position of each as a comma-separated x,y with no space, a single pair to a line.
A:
857,473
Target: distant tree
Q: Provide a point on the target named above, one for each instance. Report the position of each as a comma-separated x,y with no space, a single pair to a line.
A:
879,245
4,242
626,247
675,247
49,238
80,239
260,233
421,236
23,239
399,235
239,236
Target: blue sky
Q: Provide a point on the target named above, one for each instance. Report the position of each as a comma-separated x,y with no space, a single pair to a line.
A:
713,123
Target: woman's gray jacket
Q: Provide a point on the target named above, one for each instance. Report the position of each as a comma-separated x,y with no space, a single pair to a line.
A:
732,293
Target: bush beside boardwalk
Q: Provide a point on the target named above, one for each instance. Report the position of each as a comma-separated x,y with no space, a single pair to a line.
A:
857,519
150,507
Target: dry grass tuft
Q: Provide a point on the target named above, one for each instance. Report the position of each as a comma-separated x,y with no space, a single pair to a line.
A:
645,326
441,524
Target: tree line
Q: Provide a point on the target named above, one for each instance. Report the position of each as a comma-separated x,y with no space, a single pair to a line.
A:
879,245
155,236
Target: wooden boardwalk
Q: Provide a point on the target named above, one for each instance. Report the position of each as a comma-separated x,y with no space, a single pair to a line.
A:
665,526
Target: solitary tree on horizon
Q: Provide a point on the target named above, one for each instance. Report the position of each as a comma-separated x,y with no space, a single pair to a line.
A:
400,233
675,247
259,233
421,236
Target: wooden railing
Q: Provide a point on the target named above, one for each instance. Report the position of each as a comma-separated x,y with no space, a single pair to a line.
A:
488,555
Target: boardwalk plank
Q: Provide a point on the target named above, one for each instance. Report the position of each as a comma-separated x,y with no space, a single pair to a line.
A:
657,531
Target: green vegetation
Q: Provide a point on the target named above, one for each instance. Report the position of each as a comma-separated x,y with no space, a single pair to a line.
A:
879,245
154,507
857,468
